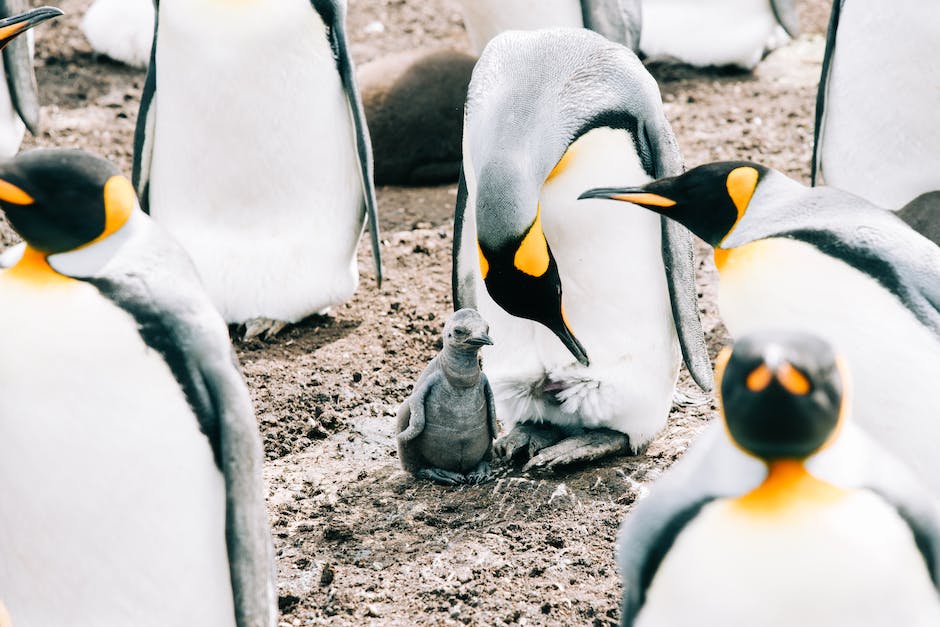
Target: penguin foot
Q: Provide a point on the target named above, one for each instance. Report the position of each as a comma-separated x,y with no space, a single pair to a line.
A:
527,438
690,399
481,474
262,326
440,475
586,447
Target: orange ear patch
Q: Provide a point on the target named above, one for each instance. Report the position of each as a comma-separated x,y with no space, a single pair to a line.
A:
741,185
793,380
759,379
484,264
532,255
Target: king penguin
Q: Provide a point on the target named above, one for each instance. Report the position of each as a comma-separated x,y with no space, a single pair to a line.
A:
19,95
823,261
130,460
252,150
716,32
618,20
784,513
121,30
876,111
592,372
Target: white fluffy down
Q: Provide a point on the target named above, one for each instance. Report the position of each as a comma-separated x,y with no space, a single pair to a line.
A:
121,29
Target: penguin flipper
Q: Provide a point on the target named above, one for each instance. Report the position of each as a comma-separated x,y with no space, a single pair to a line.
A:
823,92
18,63
461,277
333,13
146,122
923,215
620,21
785,12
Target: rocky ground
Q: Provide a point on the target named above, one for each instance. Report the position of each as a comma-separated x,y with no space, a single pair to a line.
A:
358,541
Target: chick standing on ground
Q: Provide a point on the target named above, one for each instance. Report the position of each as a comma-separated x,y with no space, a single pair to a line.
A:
447,426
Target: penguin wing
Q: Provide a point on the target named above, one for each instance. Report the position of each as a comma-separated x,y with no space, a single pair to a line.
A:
155,282
823,92
333,14
617,20
18,63
678,259
923,215
785,12
146,121
461,276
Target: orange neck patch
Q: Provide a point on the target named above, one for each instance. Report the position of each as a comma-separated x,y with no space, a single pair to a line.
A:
34,268
788,486
119,202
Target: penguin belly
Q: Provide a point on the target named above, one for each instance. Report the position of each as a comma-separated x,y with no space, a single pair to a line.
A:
615,299
255,169
454,441
485,19
113,508
893,360
879,137
853,562
121,29
721,32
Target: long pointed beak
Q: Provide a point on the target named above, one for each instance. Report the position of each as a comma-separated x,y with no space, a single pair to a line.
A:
635,195
480,340
572,344
12,27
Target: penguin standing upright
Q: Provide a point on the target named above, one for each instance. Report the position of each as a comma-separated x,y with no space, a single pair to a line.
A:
19,95
591,371
252,150
876,112
785,514
618,20
716,32
121,29
823,261
130,460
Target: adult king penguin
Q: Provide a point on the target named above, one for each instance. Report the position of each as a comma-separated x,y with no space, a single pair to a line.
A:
785,514
593,372
876,112
121,29
19,95
130,461
823,261
618,20
716,32
252,150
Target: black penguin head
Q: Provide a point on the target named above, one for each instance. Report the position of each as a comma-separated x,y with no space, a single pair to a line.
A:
708,200
781,394
60,200
15,25
516,262
466,331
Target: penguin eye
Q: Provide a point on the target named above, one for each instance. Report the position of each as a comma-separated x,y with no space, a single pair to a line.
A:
461,332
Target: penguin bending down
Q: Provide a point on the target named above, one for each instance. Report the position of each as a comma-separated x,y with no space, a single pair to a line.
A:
130,460
593,371
19,95
823,261
252,150
121,30
876,112
786,514
618,20
716,32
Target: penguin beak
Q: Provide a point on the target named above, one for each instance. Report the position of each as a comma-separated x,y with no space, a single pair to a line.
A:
12,27
480,340
636,195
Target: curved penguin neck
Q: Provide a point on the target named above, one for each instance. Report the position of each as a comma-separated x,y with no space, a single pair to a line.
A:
460,366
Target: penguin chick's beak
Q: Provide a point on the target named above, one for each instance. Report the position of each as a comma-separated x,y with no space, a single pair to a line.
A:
480,340
12,27
635,195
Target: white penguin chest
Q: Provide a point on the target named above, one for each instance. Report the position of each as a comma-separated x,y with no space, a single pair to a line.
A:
485,19
880,138
854,562
718,32
893,360
113,508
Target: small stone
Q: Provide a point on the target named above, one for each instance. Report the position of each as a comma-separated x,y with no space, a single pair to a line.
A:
327,575
373,612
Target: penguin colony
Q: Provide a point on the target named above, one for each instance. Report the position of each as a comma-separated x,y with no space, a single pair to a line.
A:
130,460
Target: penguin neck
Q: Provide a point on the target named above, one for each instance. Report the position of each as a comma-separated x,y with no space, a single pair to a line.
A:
788,484
33,268
460,367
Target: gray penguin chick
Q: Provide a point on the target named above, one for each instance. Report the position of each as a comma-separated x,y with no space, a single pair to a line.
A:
447,426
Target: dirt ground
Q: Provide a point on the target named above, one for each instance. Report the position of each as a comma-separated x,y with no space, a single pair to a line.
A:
358,541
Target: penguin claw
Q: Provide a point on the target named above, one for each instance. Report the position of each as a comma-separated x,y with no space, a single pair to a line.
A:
440,475
527,438
480,474
262,326
589,446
